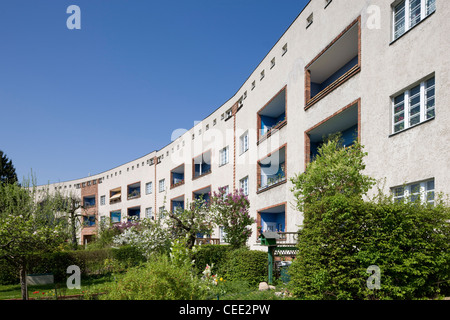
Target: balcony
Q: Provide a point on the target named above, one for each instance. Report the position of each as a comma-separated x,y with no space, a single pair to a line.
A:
134,191
201,165
345,121
177,177
336,64
89,201
115,196
271,170
272,116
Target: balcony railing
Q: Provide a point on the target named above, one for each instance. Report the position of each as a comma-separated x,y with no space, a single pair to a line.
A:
287,239
200,241
272,181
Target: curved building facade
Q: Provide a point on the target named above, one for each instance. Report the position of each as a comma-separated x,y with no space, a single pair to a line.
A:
377,71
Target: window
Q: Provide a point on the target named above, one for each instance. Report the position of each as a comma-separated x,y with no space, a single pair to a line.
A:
243,184
414,106
102,200
162,212
309,20
272,63
149,212
134,213
327,2
408,13
253,85
284,49
262,75
418,191
224,156
162,185
243,142
148,188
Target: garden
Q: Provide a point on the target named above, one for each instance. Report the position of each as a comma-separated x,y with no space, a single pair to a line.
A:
344,234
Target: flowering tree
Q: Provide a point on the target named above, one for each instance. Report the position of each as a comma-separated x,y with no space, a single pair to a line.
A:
231,210
194,219
147,235
27,228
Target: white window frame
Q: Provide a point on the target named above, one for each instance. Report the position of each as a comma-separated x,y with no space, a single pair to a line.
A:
102,200
244,145
424,190
424,96
162,185
148,188
427,7
149,212
243,184
224,156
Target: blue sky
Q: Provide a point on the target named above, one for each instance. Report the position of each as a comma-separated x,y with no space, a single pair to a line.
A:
79,102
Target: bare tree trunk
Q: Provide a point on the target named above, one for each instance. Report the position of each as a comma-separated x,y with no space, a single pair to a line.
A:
23,282
74,232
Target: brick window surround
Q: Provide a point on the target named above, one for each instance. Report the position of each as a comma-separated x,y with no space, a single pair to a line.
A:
258,170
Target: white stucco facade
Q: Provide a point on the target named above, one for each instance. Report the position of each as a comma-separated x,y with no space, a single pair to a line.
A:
360,97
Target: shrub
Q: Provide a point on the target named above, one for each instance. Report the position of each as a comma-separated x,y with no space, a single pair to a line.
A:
128,256
246,265
409,242
157,279
212,254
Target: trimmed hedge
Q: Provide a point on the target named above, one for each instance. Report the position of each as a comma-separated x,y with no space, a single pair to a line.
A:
212,254
250,266
91,262
247,265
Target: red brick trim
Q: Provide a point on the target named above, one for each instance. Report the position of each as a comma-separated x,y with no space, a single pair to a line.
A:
306,134
349,74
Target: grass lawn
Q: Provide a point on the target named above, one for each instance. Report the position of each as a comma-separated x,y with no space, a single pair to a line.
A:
13,291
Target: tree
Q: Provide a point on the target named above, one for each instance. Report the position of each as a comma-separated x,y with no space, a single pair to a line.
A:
345,233
27,228
7,170
69,206
188,222
336,170
231,211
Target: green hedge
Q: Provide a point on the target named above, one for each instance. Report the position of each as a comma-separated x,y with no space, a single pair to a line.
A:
91,262
244,265
212,254
247,265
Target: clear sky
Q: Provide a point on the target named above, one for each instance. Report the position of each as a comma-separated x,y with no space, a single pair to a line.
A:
79,102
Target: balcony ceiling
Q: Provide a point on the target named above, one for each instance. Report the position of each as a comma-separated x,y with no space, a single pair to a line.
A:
341,52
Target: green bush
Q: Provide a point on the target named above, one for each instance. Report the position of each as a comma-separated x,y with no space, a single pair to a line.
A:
8,274
213,255
128,256
409,242
157,279
246,265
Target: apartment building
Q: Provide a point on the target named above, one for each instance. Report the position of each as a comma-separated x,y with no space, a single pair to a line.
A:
375,70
